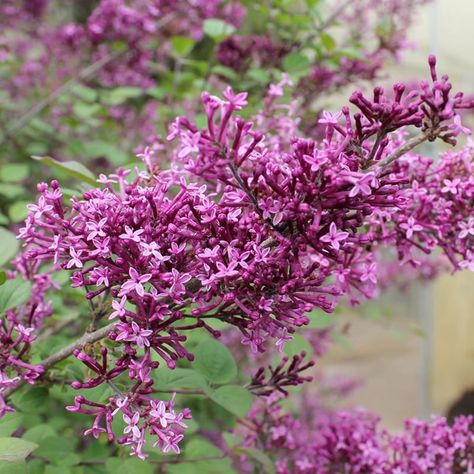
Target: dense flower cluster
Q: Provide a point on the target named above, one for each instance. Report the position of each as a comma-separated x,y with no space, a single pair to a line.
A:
328,442
139,24
253,228
19,329
140,412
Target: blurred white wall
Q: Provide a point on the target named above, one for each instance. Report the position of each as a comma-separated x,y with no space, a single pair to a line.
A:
445,28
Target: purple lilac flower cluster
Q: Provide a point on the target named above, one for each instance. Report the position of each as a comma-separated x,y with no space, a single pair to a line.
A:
19,329
327,442
253,228
139,24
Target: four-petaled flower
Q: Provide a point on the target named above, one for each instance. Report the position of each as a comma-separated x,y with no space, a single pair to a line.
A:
369,273
39,209
467,228
236,101
281,341
191,145
410,227
177,282
135,283
132,425
172,443
131,234
75,261
96,229
159,412
119,307
140,336
334,237
329,118
450,186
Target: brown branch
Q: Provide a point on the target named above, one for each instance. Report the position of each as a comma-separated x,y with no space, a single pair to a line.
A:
409,145
172,460
65,352
84,74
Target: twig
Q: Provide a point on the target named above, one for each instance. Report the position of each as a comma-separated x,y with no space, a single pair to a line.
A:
173,460
409,145
42,104
84,74
333,16
65,352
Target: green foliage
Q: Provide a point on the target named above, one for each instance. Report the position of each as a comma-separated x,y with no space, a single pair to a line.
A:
182,45
9,423
14,293
7,467
215,362
217,29
8,246
234,398
15,449
128,466
71,168
168,379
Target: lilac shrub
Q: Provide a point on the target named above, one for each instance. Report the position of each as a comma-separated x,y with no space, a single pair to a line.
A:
328,442
253,228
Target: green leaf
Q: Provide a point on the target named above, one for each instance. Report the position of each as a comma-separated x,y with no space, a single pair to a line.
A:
128,466
14,172
58,450
18,211
119,95
49,469
217,29
71,168
182,44
8,246
35,466
12,467
296,62
3,278
15,449
13,293
259,456
99,148
39,432
215,362
33,400
349,53
328,41
84,110
320,320
227,72
297,345
200,448
11,191
9,423
85,93
180,378
234,398
259,75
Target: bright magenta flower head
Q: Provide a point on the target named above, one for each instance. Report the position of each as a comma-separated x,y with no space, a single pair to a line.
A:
249,226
